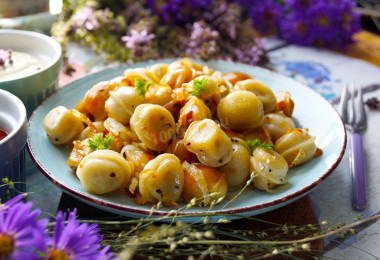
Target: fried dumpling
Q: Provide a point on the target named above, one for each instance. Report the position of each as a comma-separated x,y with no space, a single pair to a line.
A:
207,140
237,169
297,146
269,167
276,124
262,91
240,110
62,126
103,171
154,125
161,180
204,184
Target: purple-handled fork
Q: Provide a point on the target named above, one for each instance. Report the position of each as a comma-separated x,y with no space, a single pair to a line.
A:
353,115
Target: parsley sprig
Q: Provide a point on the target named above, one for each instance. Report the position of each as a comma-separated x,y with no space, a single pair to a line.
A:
198,86
256,143
141,86
100,142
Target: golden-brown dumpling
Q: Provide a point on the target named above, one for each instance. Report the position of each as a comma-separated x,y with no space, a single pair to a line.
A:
62,126
203,183
159,94
194,109
103,171
154,125
121,104
211,145
240,110
210,94
297,146
262,91
94,101
277,124
161,180
224,85
159,69
237,169
178,73
141,74
269,167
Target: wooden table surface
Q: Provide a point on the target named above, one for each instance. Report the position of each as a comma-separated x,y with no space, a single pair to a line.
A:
325,71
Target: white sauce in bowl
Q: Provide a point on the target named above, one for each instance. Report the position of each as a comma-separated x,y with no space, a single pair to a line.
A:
23,65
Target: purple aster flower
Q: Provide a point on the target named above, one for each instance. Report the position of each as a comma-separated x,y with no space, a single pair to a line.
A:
178,11
138,42
75,240
323,22
297,29
299,5
86,17
325,19
266,15
202,42
22,236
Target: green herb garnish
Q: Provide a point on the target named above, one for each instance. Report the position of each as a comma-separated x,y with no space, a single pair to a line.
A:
100,142
256,143
141,86
198,86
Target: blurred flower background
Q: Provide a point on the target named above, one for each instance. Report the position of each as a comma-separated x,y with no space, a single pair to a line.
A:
130,31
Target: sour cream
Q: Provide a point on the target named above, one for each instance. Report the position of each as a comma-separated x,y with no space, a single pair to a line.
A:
23,65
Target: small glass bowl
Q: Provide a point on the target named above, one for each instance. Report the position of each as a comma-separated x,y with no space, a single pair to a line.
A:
12,147
35,87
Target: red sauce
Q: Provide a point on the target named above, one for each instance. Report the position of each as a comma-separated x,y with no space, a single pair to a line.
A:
3,134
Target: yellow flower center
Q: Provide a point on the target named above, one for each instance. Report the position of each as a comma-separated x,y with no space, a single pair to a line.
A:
6,246
323,21
56,254
301,28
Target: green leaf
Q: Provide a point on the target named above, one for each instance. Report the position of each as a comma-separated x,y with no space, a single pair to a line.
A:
198,86
256,143
141,86
100,142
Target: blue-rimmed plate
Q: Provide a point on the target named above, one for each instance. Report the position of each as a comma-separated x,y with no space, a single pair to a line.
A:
311,111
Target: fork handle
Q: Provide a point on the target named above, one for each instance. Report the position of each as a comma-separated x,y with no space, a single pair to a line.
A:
357,168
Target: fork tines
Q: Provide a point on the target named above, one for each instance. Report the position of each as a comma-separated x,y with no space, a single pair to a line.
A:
353,114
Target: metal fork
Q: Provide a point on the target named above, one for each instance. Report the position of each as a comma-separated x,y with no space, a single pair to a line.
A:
353,115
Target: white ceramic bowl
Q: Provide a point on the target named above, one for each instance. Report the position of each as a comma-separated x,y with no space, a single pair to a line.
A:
35,87
12,147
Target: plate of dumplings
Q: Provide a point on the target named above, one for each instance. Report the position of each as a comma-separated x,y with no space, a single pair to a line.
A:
187,138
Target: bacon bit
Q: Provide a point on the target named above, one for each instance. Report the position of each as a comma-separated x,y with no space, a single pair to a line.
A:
318,153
